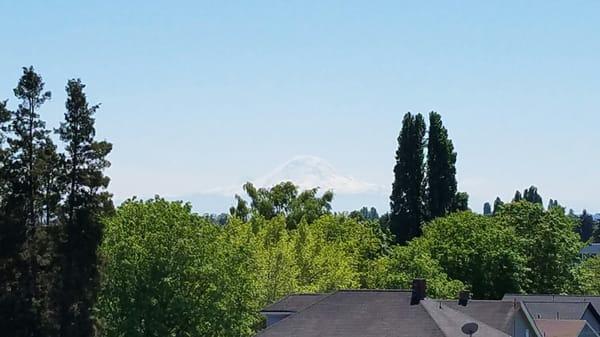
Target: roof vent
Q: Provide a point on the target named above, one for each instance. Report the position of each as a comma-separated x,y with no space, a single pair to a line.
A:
463,298
419,290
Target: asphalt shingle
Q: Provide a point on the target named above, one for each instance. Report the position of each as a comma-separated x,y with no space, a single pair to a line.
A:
358,314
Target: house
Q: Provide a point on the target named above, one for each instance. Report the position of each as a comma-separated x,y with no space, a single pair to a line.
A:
410,313
592,249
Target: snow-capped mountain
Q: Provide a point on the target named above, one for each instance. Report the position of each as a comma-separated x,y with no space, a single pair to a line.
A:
310,171
306,172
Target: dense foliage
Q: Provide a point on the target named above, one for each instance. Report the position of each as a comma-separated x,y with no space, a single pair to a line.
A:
171,272
423,189
163,270
51,203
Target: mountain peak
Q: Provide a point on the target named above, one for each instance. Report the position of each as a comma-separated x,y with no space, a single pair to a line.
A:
311,171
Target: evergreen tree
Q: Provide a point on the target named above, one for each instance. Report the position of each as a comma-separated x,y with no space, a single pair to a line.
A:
460,202
16,315
441,169
498,203
30,138
552,204
86,200
518,197
531,194
24,203
487,209
407,204
585,226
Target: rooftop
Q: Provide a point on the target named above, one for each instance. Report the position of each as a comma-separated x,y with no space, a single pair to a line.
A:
376,313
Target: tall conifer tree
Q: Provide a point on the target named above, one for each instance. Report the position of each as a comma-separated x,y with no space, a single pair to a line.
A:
487,208
24,203
585,227
441,168
498,203
531,194
518,197
407,199
86,200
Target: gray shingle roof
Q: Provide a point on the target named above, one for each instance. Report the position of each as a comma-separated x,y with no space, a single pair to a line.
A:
591,249
358,314
594,300
557,310
496,314
294,303
451,321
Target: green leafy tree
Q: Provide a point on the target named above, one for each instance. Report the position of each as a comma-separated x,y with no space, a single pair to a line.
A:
407,198
365,213
397,269
86,201
441,169
478,251
588,277
548,241
284,199
169,272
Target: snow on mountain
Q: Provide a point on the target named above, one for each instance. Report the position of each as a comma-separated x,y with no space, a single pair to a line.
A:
305,172
310,171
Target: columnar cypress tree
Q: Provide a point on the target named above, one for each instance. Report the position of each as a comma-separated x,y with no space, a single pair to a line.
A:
518,197
487,209
498,203
586,226
407,208
86,200
441,168
531,194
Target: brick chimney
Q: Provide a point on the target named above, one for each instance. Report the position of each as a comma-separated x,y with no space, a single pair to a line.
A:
463,298
419,290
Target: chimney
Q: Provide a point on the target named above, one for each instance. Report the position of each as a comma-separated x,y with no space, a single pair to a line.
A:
419,290
463,298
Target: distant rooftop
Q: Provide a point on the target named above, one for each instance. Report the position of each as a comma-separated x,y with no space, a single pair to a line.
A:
376,313
591,249
294,303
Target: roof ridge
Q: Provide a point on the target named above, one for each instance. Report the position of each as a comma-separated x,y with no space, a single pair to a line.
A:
553,295
428,305
374,290
326,295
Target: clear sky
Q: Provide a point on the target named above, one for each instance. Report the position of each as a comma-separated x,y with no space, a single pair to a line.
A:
198,96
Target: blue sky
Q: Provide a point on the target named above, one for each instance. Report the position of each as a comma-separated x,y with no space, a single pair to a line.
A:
200,96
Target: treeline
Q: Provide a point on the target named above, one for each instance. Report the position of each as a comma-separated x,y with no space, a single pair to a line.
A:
51,204
72,265
587,228
170,271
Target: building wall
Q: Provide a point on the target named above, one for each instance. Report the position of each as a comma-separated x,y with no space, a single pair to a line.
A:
522,328
274,318
591,319
587,332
